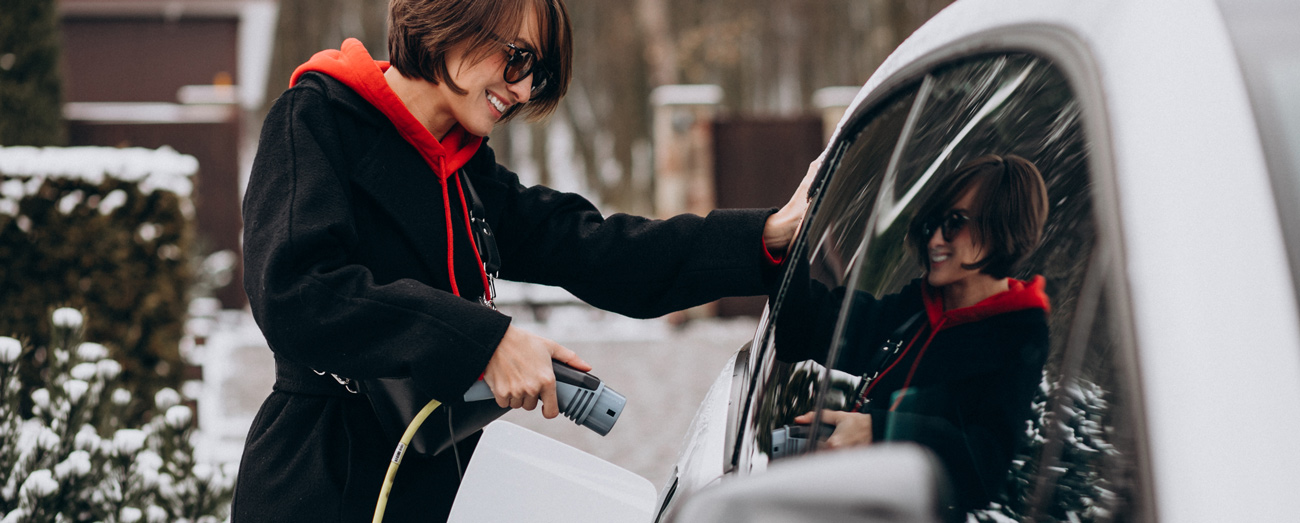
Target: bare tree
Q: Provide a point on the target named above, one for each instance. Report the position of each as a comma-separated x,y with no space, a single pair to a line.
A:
305,27
768,56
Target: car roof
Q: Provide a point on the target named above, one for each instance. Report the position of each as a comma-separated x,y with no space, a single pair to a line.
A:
1185,190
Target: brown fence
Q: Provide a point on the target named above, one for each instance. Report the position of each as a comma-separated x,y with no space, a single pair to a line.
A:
758,162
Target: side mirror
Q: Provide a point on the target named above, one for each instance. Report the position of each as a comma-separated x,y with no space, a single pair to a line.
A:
888,482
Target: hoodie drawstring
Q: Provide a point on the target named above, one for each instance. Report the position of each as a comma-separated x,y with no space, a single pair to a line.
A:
469,230
446,211
912,372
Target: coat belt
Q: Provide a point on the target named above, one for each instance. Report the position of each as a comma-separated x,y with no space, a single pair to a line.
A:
298,379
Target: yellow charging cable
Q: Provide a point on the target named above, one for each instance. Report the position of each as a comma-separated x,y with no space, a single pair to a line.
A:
397,457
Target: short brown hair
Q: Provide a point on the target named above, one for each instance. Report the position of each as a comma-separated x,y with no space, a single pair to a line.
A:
1010,208
422,32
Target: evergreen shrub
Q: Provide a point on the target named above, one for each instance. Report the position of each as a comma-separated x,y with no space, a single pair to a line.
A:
107,231
31,90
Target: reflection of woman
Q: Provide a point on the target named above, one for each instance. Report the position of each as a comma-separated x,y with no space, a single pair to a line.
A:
954,358
361,259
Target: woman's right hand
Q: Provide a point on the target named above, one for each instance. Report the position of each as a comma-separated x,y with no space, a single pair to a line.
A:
851,428
520,371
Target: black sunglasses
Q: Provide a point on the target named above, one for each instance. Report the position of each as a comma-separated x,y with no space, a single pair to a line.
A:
520,63
950,225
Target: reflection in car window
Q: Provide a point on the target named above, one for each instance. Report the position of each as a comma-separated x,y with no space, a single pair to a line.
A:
818,346
1080,462
973,415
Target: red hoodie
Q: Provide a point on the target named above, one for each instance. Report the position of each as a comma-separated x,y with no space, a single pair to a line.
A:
352,65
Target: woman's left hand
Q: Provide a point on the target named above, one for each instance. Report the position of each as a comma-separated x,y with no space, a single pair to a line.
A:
781,228
851,428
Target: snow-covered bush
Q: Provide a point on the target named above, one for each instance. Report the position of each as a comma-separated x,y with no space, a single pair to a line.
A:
105,230
1080,488
76,458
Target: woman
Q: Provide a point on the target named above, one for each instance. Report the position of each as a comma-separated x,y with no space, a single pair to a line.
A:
949,354
360,261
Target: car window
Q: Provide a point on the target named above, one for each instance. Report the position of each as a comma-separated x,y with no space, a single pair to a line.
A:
842,314
972,404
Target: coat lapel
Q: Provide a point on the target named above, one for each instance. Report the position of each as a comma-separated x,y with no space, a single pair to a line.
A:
395,175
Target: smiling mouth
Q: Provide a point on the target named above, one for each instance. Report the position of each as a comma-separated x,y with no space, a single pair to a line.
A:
497,103
939,258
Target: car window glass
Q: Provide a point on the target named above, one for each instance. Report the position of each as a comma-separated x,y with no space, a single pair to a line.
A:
971,411
795,338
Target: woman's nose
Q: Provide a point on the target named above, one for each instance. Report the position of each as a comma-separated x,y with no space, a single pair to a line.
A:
936,238
523,89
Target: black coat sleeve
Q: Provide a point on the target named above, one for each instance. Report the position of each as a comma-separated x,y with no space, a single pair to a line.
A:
631,265
315,304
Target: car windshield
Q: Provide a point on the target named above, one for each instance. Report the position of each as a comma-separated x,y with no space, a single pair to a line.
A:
1268,47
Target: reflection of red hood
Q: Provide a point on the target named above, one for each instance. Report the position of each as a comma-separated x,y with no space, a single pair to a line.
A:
352,65
1021,295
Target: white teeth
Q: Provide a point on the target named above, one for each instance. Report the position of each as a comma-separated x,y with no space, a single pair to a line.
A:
496,102
936,258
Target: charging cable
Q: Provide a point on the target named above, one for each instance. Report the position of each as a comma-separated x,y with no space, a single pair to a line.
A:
397,457
581,397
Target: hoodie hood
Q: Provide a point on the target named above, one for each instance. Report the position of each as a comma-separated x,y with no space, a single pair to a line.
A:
352,65
1019,296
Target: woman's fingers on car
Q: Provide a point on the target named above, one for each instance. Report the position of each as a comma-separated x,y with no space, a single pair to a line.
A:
782,226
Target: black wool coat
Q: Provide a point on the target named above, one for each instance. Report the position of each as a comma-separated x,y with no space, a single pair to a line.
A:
346,270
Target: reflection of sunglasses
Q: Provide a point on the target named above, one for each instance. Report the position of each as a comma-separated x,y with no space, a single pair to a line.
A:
520,63
951,224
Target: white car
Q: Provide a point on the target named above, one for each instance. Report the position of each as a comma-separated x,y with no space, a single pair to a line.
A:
1168,133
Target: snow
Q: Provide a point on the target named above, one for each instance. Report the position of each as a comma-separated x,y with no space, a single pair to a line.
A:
89,351
166,398
76,465
128,441
67,318
84,371
41,398
108,369
10,349
75,389
39,484
179,416
154,169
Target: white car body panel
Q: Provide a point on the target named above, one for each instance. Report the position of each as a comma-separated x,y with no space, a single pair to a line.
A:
520,475
700,461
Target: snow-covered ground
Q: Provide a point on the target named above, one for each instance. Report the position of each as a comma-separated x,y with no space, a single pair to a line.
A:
663,369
